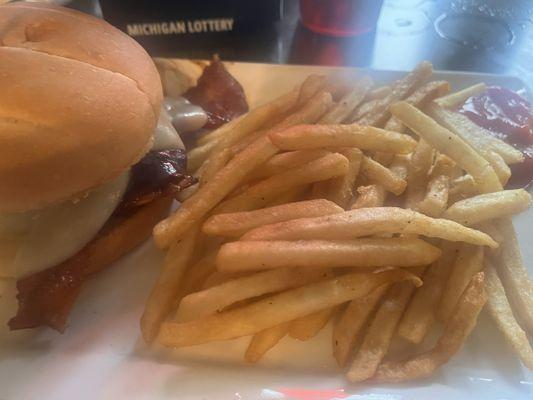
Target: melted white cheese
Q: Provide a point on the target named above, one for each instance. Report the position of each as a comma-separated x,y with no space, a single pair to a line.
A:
33,241
165,136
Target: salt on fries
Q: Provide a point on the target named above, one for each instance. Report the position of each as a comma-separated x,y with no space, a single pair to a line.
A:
308,208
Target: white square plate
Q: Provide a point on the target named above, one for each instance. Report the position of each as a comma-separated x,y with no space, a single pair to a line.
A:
101,354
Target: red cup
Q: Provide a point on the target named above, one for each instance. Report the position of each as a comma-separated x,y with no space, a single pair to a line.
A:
340,17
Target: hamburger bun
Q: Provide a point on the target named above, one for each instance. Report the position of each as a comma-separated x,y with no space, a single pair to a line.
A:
79,104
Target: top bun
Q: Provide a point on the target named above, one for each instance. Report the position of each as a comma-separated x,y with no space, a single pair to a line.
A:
79,101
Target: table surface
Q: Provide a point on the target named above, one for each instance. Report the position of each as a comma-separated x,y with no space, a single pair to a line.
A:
494,36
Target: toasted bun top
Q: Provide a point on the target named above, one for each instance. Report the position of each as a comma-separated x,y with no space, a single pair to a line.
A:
79,102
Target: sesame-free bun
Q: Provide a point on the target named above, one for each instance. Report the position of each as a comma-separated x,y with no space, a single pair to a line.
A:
79,101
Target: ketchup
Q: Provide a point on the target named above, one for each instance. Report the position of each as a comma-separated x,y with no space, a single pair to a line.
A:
508,116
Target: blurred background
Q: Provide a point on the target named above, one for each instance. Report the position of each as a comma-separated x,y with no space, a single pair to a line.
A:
494,36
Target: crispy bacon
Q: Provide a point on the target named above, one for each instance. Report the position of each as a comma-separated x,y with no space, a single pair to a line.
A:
46,298
219,94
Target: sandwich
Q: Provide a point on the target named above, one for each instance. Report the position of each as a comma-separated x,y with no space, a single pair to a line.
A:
90,159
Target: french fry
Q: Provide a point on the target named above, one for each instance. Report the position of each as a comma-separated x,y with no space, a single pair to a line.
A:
277,309
419,98
258,195
263,341
436,199
220,132
243,143
452,339
378,93
370,196
514,274
450,144
383,158
167,286
395,252
367,222
500,310
469,261
345,106
198,273
382,176
463,186
365,108
216,298
488,206
377,339
419,315
218,278
418,173
214,164
477,137
209,195
307,137
500,167
310,112
290,196
284,161
340,189
401,88
444,165
236,224
308,326
490,229
457,98
311,86
346,331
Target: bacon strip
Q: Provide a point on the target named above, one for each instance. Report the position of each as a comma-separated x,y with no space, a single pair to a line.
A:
219,94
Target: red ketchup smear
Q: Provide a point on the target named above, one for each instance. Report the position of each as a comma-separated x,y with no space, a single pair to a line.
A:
508,116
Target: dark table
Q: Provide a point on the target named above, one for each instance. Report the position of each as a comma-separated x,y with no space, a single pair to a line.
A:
493,36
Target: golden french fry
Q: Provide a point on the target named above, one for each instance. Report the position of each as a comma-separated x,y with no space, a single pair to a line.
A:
488,206
307,137
369,104
218,278
395,252
377,173
419,316
345,106
263,341
455,334
277,309
500,167
419,98
198,273
463,186
377,339
218,133
514,274
340,189
490,229
214,164
307,327
346,331
311,86
469,261
458,98
290,196
310,112
236,224
477,137
444,165
370,196
378,93
367,222
209,195
500,310
167,286
436,199
258,195
285,161
401,88
418,173
216,298
450,144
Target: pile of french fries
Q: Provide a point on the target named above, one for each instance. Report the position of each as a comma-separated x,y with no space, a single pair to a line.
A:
351,204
